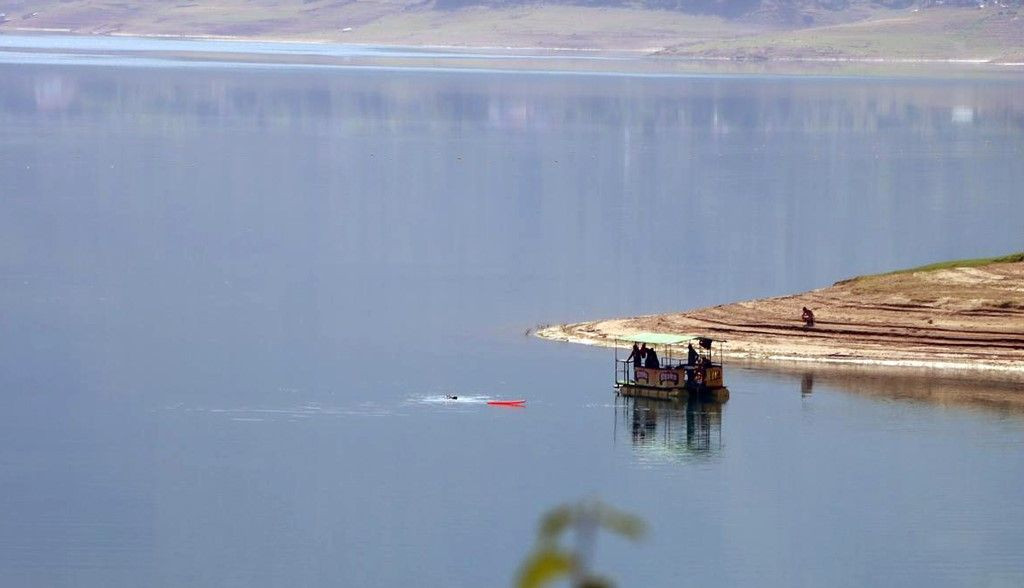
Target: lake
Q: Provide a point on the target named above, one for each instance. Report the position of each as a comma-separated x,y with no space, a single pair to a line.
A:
234,297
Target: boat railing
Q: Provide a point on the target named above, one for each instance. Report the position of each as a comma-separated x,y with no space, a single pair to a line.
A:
623,372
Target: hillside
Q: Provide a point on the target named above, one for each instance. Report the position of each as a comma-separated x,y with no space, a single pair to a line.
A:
746,29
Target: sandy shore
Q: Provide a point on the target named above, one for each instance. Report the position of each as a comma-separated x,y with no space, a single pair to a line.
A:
958,319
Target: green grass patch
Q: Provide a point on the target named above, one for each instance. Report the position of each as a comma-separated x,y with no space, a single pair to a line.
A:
1011,258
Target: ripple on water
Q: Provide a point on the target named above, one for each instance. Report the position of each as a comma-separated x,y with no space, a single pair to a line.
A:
452,399
304,412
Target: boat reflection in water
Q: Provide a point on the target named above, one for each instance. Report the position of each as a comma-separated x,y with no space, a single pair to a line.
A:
674,430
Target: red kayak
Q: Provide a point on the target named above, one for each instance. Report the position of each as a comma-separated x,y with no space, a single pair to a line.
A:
506,402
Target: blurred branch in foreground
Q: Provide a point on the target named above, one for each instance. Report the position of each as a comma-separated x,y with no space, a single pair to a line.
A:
550,561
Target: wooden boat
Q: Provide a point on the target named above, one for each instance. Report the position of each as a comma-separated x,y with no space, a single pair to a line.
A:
699,375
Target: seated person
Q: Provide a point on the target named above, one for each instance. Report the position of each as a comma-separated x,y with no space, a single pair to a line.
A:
808,317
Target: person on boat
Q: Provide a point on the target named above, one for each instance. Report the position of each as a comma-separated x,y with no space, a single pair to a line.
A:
807,317
636,356
651,359
691,355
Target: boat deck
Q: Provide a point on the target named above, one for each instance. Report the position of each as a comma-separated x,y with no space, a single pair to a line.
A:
705,394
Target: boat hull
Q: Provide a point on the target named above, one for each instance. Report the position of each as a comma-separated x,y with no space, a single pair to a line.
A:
696,392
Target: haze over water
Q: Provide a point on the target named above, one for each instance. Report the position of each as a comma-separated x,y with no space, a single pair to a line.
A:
233,300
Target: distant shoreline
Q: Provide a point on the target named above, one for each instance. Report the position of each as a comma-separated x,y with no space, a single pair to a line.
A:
569,60
652,52
967,317
880,37
285,41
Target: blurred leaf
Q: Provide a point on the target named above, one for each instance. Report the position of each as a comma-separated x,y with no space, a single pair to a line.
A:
555,522
543,567
548,562
622,523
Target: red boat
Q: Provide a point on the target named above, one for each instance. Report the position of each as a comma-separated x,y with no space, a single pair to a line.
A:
506,402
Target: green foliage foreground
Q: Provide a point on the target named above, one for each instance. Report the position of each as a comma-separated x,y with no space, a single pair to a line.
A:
550,561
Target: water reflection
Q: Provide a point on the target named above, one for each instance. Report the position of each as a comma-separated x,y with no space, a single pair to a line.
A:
54,92
807,384
246,242
670,430
531,177
988,391
705,104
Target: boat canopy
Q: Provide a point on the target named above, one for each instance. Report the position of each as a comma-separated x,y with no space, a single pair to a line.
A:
660,338
670,339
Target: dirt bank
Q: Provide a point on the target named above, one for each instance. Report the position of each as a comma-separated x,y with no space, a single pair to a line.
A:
959,318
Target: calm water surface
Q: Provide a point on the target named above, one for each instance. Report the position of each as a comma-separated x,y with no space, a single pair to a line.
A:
233,299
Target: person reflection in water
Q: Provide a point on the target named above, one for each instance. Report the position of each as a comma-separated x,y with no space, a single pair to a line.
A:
807,385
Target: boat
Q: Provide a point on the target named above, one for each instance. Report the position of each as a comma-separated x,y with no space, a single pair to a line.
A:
697,377
506,402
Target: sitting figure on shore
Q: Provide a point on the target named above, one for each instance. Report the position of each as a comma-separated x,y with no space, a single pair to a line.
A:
807,317
651,359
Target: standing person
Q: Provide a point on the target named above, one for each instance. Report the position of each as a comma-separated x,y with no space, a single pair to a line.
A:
692,356
636,356
651,359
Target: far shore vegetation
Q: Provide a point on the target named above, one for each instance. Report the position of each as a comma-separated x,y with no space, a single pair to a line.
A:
941,265
748,30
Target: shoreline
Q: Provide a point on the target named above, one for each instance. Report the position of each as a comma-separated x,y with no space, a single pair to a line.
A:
954,319
570,333
650,55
